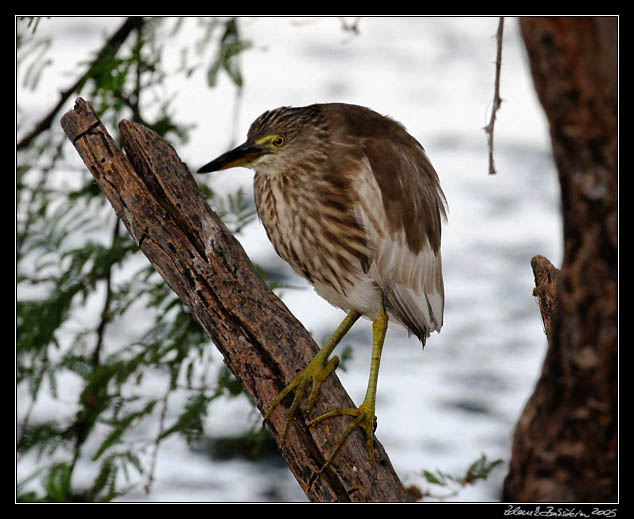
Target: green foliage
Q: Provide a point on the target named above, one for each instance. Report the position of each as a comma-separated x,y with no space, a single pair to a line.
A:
190,422
236,210
37,65
81,281
479,470
119,425
58,483
44,437
231,46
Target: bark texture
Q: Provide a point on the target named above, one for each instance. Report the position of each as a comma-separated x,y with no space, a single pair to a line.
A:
565,444
263,345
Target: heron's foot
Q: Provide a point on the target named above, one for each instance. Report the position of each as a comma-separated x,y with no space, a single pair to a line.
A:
315,372
364,419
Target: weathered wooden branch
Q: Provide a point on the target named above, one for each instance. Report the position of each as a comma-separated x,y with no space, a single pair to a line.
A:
565,446
264,346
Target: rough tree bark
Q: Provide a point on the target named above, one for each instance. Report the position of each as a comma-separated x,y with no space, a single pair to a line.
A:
263,345
565,444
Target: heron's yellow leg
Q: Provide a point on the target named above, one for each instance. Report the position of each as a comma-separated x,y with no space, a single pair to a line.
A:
316,372
364,417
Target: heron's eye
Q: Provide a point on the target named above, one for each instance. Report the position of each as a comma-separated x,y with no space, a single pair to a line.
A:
278,141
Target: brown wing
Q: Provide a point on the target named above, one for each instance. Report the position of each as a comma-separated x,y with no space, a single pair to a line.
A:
411,194
412,198
401,206
407,262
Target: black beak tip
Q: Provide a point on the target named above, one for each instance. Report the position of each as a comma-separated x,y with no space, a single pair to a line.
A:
208,168
236,157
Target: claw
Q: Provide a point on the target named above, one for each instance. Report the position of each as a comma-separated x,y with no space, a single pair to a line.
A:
316,372
364,419
319,369
318,380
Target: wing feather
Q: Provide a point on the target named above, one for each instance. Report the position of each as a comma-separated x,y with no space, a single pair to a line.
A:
402,207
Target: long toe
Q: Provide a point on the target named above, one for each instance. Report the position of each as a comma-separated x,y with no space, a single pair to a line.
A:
314,374
364,419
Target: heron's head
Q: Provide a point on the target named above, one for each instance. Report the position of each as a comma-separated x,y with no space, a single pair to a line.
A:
278,139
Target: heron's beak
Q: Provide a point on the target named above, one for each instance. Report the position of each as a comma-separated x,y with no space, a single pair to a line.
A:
243,155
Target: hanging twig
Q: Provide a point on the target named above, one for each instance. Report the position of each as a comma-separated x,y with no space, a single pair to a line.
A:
35,192
157,441
497,101
105,312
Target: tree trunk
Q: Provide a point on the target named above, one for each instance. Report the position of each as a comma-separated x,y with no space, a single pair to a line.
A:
565,444
263,345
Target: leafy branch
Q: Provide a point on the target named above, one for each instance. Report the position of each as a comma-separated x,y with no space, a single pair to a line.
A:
71,255
479,470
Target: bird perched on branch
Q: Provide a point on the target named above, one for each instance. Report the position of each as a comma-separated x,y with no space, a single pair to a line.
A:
350,200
